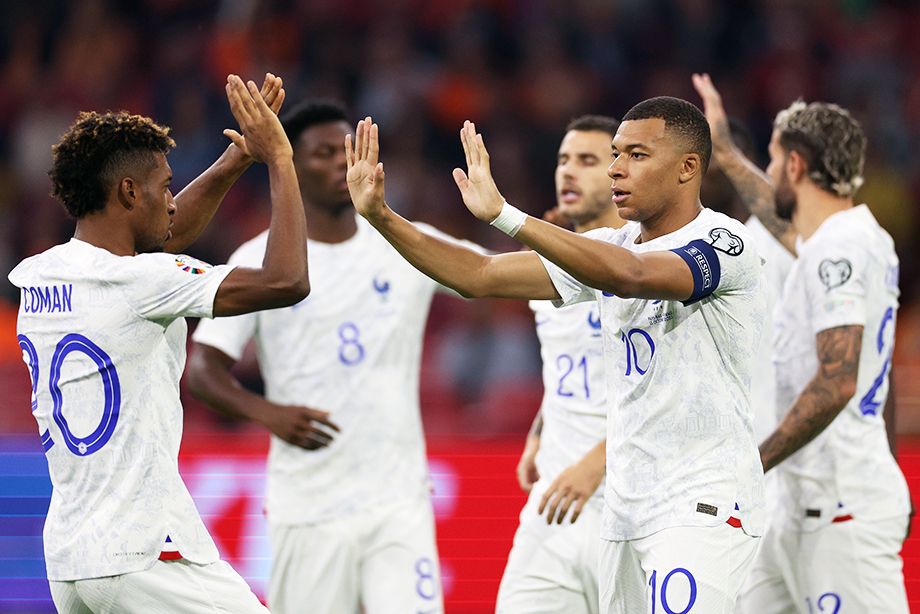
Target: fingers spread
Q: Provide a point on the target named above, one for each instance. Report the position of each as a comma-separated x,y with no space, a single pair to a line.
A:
349,152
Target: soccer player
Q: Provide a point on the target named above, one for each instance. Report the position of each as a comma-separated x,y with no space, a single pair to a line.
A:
102,329
350,518
844,503
552,566
681,306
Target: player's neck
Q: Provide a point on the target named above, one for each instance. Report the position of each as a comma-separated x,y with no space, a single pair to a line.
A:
814,208
331,225
96,230
608,219
669,220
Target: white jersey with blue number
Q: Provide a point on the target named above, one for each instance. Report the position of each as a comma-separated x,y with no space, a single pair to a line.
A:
352,348
574,388
104,339
680,441
846,274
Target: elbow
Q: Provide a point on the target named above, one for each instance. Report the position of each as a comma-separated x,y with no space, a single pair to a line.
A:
289,291
846,391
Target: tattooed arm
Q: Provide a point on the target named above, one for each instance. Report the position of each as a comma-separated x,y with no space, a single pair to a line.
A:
823,398
751,183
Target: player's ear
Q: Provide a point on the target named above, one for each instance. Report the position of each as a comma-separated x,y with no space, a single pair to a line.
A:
796,166
127,192
690,167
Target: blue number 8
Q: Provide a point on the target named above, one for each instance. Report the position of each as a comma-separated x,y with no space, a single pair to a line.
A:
74,342
426,585
351,352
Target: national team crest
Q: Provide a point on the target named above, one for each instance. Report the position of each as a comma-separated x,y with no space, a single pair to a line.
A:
726,241
835,273
191,265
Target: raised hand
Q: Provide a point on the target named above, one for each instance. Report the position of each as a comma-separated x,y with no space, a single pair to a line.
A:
301,426
478,189
714,111
261,136
365,171
273,93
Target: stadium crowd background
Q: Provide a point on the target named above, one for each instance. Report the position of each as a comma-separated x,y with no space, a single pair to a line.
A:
519,68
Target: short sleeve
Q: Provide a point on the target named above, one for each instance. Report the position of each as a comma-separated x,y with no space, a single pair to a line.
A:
723,261
836,287
229,335
169,286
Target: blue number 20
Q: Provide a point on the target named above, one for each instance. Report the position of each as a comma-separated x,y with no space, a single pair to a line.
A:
74,342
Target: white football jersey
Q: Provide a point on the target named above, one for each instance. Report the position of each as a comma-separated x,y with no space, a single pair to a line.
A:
104,338
777,263
846,274
680,441
352,348
574,406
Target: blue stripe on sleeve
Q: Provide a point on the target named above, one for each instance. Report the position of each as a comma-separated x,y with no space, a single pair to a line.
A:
705,267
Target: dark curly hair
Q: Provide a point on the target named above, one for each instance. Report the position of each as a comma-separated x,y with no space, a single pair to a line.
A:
96,151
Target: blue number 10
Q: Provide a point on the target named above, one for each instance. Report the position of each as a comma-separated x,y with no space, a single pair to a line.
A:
74,342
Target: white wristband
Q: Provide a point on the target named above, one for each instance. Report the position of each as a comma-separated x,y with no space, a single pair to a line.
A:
510,220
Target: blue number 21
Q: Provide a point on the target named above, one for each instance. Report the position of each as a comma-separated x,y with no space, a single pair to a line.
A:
868,405
74,342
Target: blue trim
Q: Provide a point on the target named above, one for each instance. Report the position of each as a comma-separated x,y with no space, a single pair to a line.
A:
704,266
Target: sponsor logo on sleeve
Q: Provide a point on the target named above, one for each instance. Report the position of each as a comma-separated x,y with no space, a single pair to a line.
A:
834,273
724,240
191,265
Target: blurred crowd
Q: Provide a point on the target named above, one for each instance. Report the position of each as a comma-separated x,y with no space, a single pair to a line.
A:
519,68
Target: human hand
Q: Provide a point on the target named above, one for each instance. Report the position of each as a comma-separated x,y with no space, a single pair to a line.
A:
365,171
273,93
527,474
714,112
307,428
478,189
574,485
261,135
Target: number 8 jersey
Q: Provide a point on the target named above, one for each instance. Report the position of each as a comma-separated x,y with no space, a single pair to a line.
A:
104,340
680,441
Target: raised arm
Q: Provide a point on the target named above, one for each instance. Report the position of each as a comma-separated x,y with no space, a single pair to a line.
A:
751,183
822,399
513,275
596,264
282,278
199,200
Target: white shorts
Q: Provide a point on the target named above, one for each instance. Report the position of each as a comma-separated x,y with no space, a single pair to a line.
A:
384,561
552,568
168,586
682,570
848,566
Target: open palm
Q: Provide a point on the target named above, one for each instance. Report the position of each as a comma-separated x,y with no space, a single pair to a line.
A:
365,171
477,187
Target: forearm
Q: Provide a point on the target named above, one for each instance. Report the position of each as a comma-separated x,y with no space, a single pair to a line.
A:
813,411
286,247
596,460
221,390
468,272
755,190
536,429
199,200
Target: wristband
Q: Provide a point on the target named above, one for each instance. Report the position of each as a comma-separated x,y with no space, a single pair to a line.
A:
510,220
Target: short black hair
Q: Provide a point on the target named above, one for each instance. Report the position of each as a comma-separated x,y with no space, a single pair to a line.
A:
680,117
97,150
310,113
594,123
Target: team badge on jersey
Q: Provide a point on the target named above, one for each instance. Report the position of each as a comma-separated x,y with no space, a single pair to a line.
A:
191,265
725,241
835,273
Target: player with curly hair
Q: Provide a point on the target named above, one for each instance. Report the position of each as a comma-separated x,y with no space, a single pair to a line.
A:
102,329
843,504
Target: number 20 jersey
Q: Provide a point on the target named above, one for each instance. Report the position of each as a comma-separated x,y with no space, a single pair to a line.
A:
104,339
846,274
352,348
680,441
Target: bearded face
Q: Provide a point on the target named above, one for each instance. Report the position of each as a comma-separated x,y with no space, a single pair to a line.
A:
784,199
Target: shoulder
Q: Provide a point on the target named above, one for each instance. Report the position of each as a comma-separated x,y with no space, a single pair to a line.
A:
616,236
252,251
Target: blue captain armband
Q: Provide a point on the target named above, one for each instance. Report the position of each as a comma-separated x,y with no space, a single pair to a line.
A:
704,266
